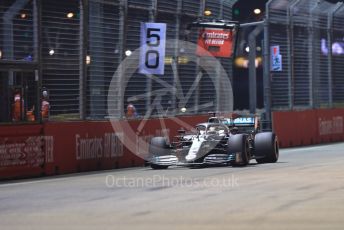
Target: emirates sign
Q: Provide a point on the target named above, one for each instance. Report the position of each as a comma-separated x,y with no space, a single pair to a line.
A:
215,42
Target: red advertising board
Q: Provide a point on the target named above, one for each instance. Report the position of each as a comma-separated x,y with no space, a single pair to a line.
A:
299,128
24,151
215,42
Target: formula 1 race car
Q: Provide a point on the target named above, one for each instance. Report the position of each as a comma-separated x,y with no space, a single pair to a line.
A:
220,141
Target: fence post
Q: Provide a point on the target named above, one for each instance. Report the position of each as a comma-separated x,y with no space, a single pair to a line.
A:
311,59
252,68
38,54
290,32
329,45
266,74
123,12
84,16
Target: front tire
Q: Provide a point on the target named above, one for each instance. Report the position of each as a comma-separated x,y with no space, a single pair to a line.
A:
266,144
158,147
155,166
239,144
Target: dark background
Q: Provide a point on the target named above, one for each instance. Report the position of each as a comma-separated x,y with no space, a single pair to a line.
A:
243,12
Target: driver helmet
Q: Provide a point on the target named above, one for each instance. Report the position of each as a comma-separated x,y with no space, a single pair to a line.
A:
211,129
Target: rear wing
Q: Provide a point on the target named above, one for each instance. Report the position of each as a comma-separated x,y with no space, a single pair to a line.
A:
240,121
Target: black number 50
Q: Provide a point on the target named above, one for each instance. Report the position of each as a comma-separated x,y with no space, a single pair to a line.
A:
153,40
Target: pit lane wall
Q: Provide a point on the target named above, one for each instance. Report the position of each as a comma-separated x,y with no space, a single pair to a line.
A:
53,148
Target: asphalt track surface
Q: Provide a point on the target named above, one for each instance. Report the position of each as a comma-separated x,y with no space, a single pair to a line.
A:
304,190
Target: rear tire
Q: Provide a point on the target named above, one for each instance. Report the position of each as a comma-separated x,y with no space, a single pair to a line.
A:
239,143
266,144
260,160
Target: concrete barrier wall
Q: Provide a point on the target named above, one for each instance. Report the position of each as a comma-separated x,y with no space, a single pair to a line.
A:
53,148
298,128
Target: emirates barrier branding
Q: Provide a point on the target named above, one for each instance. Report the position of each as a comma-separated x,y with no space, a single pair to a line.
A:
333,126
108,146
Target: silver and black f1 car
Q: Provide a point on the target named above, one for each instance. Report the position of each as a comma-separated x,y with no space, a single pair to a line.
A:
220,141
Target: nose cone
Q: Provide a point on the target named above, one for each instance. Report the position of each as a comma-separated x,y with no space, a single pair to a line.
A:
195,147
